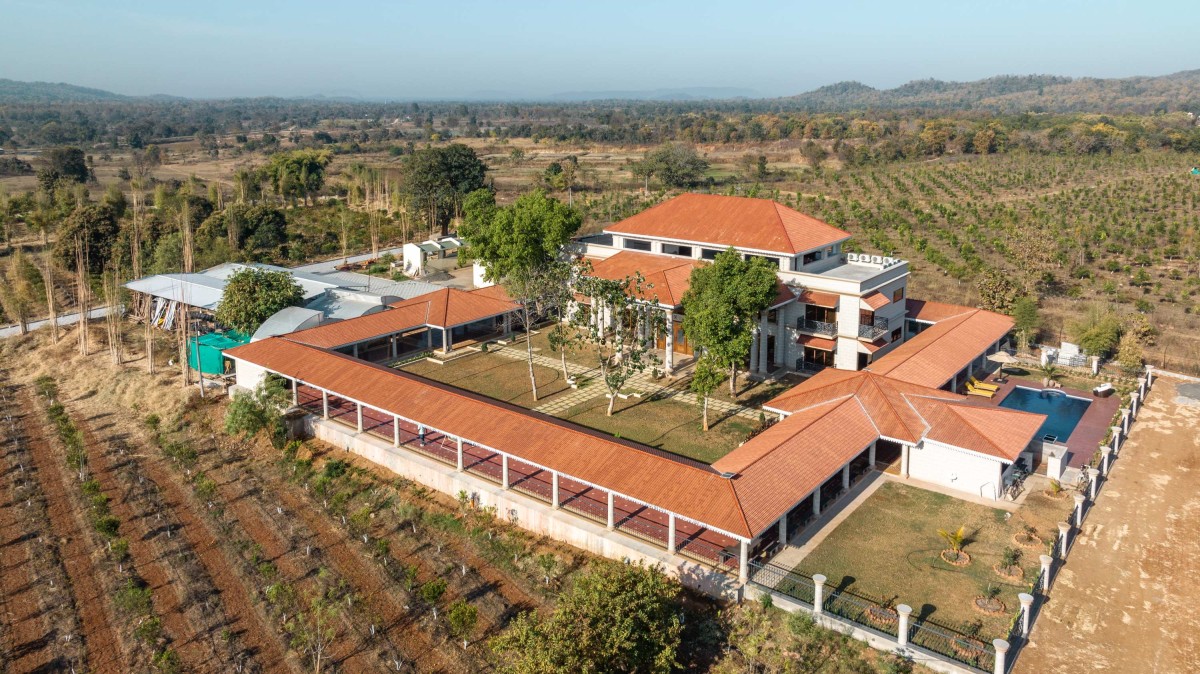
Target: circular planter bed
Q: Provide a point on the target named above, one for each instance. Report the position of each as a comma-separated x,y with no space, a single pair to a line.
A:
883,617
956,558
1028,540
970,649
988,606
1014,572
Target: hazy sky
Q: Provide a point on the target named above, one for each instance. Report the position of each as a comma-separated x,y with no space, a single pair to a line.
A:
446,49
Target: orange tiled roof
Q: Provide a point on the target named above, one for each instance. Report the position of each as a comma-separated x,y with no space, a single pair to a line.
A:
666,278
876,300
818,298
939,352
363,328
722,221
932,312
688,489
496,292
817,342
450,307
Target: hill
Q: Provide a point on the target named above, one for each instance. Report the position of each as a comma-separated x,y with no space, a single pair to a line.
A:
12,91
1016,94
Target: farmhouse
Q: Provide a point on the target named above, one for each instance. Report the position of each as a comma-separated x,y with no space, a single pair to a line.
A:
878,390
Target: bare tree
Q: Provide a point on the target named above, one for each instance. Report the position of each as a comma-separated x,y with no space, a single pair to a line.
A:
81,289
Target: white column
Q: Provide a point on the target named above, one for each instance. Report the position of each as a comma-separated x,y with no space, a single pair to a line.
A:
781,340
846,476
392,340
359,406
763,365
904,460
460,455
871,454
395,431
554,489
1064,532
671,533
754,340
1149,375
612,511
904,612
1001,656
1079,501
1133,406
1105,455
783,529
356,351
1125,421
295,390
1047,565
744,562
818,594
445,340
504,471
1026,600
816,497
669,352
1093,479
1142,386
325,404
507,323
1116,441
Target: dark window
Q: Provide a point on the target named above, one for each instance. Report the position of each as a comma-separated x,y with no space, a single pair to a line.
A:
674,249
709,253
897,334
898,295
636,244
762,257
812,257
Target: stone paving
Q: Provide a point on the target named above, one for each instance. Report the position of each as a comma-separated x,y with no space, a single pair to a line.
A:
642,384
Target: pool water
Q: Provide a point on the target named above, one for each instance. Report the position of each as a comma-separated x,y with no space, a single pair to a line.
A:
1062,411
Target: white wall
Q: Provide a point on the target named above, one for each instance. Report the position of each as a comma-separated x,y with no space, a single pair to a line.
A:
951,467
248,375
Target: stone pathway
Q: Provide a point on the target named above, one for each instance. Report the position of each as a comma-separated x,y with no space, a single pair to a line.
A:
642,384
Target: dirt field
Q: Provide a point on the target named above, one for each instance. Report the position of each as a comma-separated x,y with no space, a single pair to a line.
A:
1128,599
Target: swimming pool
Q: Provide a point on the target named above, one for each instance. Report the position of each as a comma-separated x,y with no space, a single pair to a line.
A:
1062,411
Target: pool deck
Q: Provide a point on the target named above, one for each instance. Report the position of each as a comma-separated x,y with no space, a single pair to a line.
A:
1092,427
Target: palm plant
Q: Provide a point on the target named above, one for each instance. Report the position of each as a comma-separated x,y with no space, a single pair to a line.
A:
1049,372
954,539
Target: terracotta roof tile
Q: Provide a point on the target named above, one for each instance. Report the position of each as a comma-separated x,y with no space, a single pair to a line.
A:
932,312
876,300
722,221
666,278
818,298
451,307
817,342
935,355
683,487
386,322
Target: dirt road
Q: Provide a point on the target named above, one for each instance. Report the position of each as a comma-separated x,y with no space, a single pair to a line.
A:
1128,598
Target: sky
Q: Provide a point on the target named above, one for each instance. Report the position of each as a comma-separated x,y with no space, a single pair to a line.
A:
516,49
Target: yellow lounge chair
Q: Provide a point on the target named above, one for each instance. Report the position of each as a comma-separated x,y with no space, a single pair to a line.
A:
982,385
972,391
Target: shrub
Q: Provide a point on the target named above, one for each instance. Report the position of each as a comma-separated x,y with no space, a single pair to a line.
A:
148,631
432,591
335,468
462,618
107,526
132,599
153,421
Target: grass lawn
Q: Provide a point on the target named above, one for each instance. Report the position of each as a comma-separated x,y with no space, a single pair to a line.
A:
666,424
494,376
889,548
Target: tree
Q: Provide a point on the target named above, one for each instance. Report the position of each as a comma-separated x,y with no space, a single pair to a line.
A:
620,323
63,164
1025,320
462,618
616,618
1130,354
253,295
1098,331
93,224
438,179
997,292
518,246
674,164
297,174
721,304
706,377
18,289
252,411
315,628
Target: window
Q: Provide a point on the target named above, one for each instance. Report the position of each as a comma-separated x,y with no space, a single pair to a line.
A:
709,253
897,334
675,249
898,295
812,257
773,316
636,244
762,257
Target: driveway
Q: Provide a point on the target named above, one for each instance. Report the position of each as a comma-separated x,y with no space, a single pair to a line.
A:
1128,599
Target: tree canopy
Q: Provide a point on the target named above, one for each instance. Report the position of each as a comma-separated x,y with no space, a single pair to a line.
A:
720,306
437,179
616,618
97,227
253,295
525,235
63,164
297,174
675,164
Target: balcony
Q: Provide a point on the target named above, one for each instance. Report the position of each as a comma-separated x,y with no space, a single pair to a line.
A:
873,331
809,366
816,327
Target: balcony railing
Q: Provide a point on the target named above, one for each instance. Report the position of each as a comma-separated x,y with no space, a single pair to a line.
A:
818,327
873,331
808,366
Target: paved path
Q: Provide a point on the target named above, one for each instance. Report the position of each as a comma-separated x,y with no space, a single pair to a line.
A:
643,384
1128,598
63,320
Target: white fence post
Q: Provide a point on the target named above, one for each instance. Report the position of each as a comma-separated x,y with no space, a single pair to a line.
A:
1047,565
1064,531
1105,456
818,594
1125,421
1093,478
1079,501
1142,386
1001,656
904,611
1117,440
1026,600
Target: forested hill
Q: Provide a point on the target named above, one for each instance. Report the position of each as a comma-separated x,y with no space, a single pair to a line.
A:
1016,94
12,91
